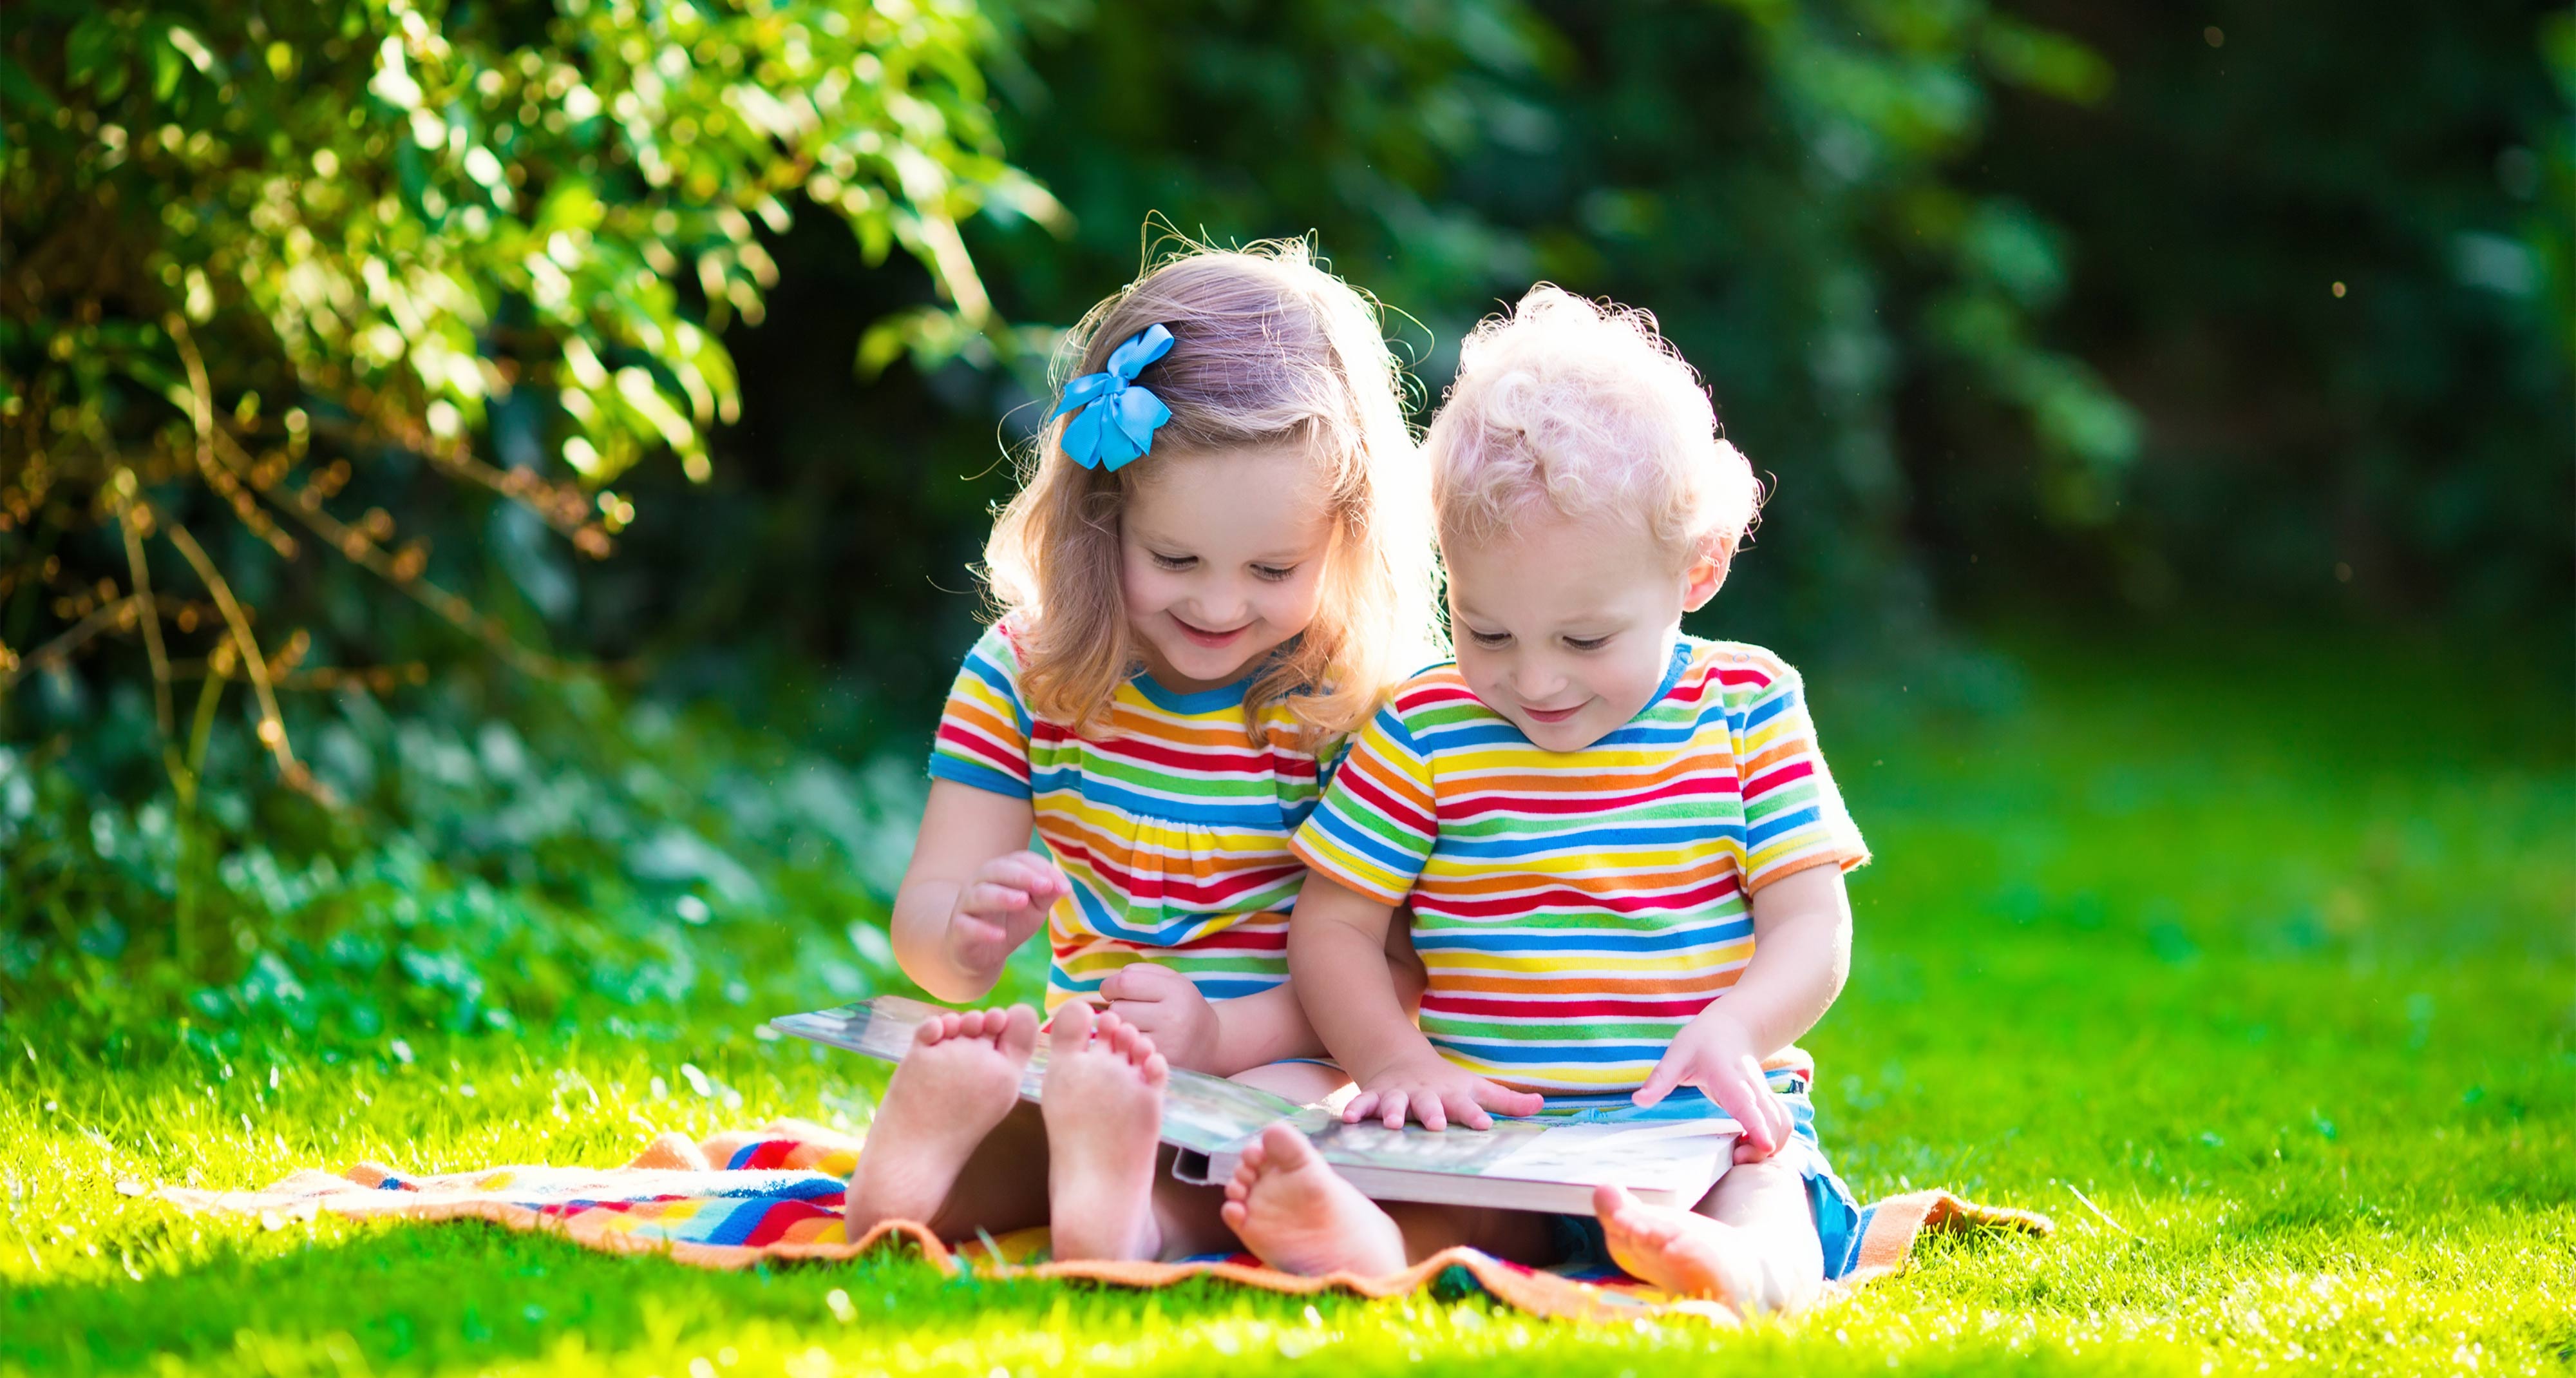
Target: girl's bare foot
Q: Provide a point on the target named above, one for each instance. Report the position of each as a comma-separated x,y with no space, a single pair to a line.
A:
1297,1215
958,1081
1689,1254
1104,1122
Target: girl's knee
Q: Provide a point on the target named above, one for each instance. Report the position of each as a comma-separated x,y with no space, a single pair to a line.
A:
1307,1083
1749,1188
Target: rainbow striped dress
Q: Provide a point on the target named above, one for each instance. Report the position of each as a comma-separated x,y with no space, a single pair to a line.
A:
1576,909
1172,824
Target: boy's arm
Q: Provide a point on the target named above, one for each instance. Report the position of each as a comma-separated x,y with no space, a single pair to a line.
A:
972,893
1802,933
1339,960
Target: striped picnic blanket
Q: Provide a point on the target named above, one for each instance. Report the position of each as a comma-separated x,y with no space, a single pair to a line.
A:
775,1193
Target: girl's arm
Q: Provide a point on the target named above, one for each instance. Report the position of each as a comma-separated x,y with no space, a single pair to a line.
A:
1339,961
973,892
1802,934
1228,1036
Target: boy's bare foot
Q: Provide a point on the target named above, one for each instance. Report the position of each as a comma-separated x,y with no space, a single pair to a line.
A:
1689,1254
960,1078
1104,1122
1297,1215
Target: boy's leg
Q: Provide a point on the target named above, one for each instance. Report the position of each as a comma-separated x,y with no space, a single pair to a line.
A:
1297,1215
1191,1217
1751,1243
939,1151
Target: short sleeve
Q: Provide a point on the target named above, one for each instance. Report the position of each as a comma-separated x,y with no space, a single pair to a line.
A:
983,736
1793,812
1374,830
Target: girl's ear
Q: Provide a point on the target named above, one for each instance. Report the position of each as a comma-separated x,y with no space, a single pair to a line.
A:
1706,573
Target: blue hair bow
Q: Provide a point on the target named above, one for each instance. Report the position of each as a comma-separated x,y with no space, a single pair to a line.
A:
1117,419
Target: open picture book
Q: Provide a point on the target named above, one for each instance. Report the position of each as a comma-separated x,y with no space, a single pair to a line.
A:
1530,1165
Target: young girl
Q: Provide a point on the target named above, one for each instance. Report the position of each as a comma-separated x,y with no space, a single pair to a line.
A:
1622,849
1219,561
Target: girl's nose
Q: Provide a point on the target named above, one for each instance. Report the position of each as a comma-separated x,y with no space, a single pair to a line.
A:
1222,606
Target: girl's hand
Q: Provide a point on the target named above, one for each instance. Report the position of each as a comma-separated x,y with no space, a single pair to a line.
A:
1435,1090
1167,1006
999,906
1715,1054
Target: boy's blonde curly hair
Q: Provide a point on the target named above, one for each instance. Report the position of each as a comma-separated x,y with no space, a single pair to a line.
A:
1586,408
1267,349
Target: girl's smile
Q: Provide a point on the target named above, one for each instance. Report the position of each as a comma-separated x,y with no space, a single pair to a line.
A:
1221,561
1209,639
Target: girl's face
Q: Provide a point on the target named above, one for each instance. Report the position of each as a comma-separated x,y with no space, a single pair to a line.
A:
1221,559
1566,625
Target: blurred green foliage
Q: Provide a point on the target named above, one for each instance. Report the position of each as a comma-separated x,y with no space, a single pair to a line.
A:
325,331
1778,183
484,868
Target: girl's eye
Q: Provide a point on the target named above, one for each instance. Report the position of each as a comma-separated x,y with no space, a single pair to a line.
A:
1174,561
1490,640
1273,573
1587,643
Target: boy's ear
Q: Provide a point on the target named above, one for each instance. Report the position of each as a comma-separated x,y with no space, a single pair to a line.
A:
1702,579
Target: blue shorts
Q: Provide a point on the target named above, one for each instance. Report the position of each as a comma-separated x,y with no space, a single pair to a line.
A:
1578,1238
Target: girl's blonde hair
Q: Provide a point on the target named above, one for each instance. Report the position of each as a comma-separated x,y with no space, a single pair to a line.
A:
1267,349
1589,409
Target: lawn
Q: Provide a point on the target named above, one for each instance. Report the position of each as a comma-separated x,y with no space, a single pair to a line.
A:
2258,974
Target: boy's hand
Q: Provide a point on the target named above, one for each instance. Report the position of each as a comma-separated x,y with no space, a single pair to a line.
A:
1715,1054
1434,1090
1000,905
1167,1006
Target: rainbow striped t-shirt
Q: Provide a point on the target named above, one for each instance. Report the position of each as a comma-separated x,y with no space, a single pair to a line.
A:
1171,823
1576,909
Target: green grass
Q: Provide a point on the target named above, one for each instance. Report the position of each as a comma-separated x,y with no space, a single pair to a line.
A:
2260,978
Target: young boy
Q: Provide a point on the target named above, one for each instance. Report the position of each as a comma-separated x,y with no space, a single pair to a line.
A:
1621,847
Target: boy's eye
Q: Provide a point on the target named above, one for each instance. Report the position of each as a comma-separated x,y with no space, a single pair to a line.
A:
1587,643
1273,573
1490,640
1164,561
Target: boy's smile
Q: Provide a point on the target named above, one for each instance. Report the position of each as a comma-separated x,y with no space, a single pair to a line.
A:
1566,625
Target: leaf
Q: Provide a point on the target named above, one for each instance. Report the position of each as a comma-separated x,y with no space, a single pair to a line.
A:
166,67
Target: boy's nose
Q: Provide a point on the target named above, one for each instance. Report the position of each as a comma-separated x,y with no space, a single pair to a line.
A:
1537,683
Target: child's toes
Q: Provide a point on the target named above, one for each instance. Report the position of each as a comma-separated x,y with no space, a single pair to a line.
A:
1019,1031
1071,1032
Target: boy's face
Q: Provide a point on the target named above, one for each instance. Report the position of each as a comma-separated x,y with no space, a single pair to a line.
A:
1566,625
1221,559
